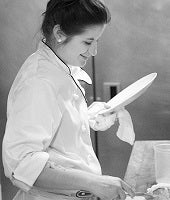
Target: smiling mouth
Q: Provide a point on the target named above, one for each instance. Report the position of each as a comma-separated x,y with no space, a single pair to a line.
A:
85,58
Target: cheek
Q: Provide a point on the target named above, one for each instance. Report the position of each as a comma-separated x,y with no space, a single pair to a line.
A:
82,48
78,52
76,49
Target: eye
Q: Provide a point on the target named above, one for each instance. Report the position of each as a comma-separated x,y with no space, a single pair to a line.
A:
88,43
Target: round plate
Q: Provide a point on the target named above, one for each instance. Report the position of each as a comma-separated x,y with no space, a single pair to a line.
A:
130,93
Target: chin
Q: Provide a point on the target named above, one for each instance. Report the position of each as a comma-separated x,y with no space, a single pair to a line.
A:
82,63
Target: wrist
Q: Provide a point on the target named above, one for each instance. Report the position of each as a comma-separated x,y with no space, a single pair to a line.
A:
95,184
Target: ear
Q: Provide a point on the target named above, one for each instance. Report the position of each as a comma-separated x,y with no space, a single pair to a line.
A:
59,34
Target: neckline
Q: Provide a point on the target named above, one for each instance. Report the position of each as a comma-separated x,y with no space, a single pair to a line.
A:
63,64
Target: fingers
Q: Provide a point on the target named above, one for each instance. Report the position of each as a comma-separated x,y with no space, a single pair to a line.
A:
122,195
127,188
108,114
106,106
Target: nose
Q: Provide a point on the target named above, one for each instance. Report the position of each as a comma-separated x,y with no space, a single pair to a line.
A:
93,49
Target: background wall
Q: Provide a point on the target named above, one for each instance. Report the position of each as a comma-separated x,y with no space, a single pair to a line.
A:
137,42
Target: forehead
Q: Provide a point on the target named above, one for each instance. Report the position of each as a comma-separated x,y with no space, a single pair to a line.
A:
92,32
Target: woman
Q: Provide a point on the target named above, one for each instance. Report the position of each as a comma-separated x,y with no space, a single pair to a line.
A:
47,151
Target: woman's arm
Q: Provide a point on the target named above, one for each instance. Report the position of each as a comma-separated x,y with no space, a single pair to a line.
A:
104,187
60,178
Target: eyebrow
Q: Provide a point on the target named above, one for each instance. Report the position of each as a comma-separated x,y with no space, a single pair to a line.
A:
90,38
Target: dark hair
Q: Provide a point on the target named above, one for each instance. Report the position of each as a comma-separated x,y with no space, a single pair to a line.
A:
73,16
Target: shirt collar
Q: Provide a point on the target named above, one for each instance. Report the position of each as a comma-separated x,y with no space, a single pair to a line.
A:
50,54
80,74
75,71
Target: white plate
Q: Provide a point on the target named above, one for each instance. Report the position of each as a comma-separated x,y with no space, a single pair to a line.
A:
130,93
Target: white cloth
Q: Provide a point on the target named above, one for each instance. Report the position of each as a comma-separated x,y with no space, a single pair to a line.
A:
103,122
125,131
157,186
47,121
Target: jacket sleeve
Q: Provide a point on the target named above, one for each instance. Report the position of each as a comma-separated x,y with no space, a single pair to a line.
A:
32,122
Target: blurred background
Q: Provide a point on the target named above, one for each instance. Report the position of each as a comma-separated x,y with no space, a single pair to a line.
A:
135,43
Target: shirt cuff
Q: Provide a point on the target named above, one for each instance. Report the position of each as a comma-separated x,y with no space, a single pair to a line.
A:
30,167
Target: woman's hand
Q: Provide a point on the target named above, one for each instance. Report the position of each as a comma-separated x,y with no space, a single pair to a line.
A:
96,107
104,122
100,122
110,188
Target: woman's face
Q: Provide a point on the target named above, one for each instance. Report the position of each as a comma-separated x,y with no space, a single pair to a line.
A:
80,47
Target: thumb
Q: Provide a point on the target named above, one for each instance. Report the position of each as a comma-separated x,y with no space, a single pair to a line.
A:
106,106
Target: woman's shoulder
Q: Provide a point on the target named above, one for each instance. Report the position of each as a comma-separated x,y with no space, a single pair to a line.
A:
43,68
38,71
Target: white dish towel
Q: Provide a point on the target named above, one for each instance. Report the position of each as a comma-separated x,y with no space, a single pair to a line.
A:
125,131
101,122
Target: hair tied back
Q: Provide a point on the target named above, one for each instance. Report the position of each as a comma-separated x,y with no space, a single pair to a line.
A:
53,4
70,2
73,16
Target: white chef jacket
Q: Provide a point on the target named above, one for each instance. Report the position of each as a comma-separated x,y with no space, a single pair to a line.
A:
47,121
